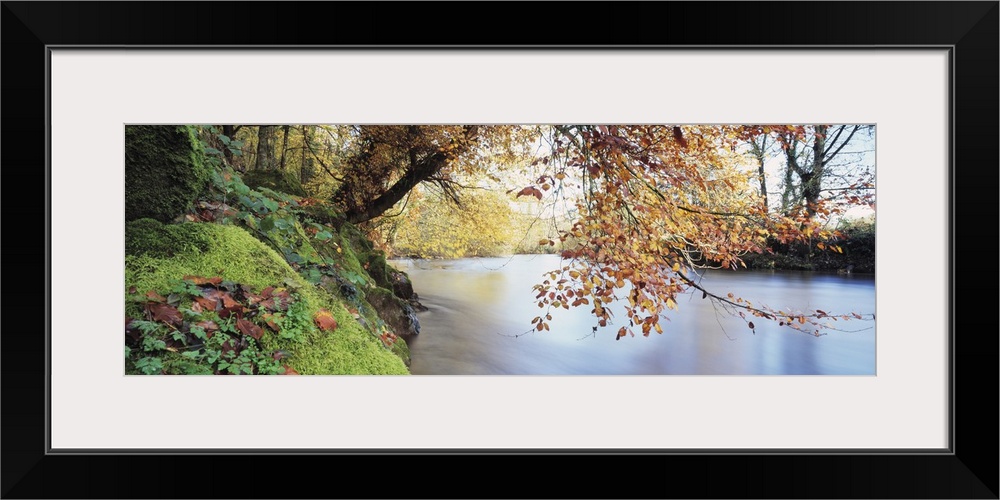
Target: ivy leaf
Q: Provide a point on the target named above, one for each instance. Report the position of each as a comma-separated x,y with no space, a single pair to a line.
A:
267,224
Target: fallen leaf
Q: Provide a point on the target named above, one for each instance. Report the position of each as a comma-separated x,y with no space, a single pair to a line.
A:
206,304
269,320
198,280
248,328
207,325
325,321
165,313
290,371
229,305
155,297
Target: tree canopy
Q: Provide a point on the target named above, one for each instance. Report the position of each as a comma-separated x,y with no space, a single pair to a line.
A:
646,207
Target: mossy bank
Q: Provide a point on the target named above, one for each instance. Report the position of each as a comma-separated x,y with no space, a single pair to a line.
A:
227,278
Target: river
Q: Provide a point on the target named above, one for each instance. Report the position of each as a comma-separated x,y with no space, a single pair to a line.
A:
476,307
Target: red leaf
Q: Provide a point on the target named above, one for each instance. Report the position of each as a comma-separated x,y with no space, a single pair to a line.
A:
679,137
530,191
229,305
750,324
278,301
198,280
165,313
248,328
155,297
206,304
289,371
325,321
207,325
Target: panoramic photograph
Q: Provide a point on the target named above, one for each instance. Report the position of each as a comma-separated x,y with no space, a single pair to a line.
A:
599,249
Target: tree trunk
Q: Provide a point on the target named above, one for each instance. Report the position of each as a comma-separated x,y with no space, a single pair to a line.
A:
305,148
417,171
413,176
265,148
811,183
758,152
284,147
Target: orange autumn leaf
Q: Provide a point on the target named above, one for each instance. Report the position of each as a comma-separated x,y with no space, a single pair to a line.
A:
325,321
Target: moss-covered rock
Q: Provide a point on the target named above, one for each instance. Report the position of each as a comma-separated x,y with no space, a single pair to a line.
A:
160,254
398,315
370,258
275,180
165,171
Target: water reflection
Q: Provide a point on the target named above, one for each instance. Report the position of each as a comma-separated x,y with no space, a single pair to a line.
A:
477,306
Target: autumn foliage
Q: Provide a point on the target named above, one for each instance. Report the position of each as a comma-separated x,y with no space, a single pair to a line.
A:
655,205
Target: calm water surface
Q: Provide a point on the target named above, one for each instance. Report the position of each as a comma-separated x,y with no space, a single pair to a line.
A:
475,306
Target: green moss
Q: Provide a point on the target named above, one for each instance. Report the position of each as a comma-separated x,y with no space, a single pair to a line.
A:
348,259
324,214
276,180
371,260
149,236
233,254
165,171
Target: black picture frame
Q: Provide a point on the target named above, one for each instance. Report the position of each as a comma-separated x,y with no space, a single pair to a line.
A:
968,470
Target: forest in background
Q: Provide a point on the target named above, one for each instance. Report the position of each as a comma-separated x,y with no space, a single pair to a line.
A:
478,209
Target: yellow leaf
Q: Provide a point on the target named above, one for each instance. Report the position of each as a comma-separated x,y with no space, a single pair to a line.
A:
677,267
560,176
658,328
671,304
